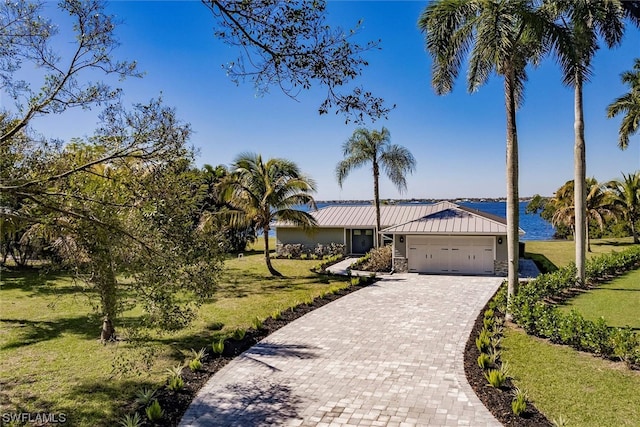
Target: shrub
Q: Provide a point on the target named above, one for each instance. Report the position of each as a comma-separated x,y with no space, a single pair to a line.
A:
154,411
130,421
239,334
217,346
626,345
195,365
175,381
531,309
377,260
484,361
483,341
145,395
256,323
495,377
519,402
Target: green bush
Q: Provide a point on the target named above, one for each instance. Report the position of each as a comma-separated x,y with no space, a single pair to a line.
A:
145,395
532,309
130,421
484,361
519,402
175,381
483,341
218,346
495,377
154,411
195,365
239,334
256,323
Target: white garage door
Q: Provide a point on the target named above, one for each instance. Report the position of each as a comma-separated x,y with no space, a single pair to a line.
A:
451,255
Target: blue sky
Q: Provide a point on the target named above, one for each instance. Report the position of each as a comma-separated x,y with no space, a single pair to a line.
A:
458,139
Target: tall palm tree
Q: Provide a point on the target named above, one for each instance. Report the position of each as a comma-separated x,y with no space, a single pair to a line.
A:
625,197
374,147
500,36
265,192
629,105
586,21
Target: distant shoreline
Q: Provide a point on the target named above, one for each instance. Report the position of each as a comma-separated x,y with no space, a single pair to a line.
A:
416,201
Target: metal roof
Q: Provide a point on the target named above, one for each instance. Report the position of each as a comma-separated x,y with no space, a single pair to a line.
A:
349,216
453,219
438,218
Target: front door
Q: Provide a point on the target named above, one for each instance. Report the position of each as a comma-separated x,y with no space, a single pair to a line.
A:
361,241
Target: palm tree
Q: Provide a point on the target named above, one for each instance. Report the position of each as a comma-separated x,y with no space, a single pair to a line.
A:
629,105
586,21
597,207
263,192
500,36
625,197
374,147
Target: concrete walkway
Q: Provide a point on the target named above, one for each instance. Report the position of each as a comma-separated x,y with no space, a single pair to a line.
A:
390,355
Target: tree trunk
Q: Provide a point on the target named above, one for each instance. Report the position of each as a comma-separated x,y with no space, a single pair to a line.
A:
108,332
376,197
267,257
580,190
513,201
108,287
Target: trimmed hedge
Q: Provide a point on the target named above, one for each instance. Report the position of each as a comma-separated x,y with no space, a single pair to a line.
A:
535,311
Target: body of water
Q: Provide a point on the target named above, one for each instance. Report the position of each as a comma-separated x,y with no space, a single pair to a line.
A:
534,226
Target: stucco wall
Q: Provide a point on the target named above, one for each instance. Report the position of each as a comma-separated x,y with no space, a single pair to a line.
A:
323,236
400,248
501,249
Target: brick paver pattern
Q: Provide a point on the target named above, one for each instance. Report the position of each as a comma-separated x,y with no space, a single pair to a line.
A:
389,355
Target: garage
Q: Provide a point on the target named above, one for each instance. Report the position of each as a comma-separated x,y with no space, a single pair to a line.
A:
451,254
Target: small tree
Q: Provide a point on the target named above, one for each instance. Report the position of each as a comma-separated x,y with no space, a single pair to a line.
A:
263,192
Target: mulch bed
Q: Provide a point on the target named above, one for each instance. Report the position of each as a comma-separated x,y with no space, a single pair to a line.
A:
497,400
174,404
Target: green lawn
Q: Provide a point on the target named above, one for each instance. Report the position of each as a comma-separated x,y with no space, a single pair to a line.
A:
585,390
562,252
617,301
579,387
52,360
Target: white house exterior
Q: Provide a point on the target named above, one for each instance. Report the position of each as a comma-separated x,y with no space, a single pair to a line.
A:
442,238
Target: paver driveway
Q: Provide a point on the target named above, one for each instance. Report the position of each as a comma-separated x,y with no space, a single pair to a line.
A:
390,355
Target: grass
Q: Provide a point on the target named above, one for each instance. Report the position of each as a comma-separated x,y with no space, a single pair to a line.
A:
562,252
52,360
586,391
618,301
564,383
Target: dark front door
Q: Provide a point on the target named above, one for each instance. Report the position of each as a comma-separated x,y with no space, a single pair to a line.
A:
361,241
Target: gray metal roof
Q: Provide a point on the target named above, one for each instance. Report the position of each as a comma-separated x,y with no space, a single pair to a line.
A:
438,218
453,219
365,216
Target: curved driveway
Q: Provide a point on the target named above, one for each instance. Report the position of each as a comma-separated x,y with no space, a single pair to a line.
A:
390,355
